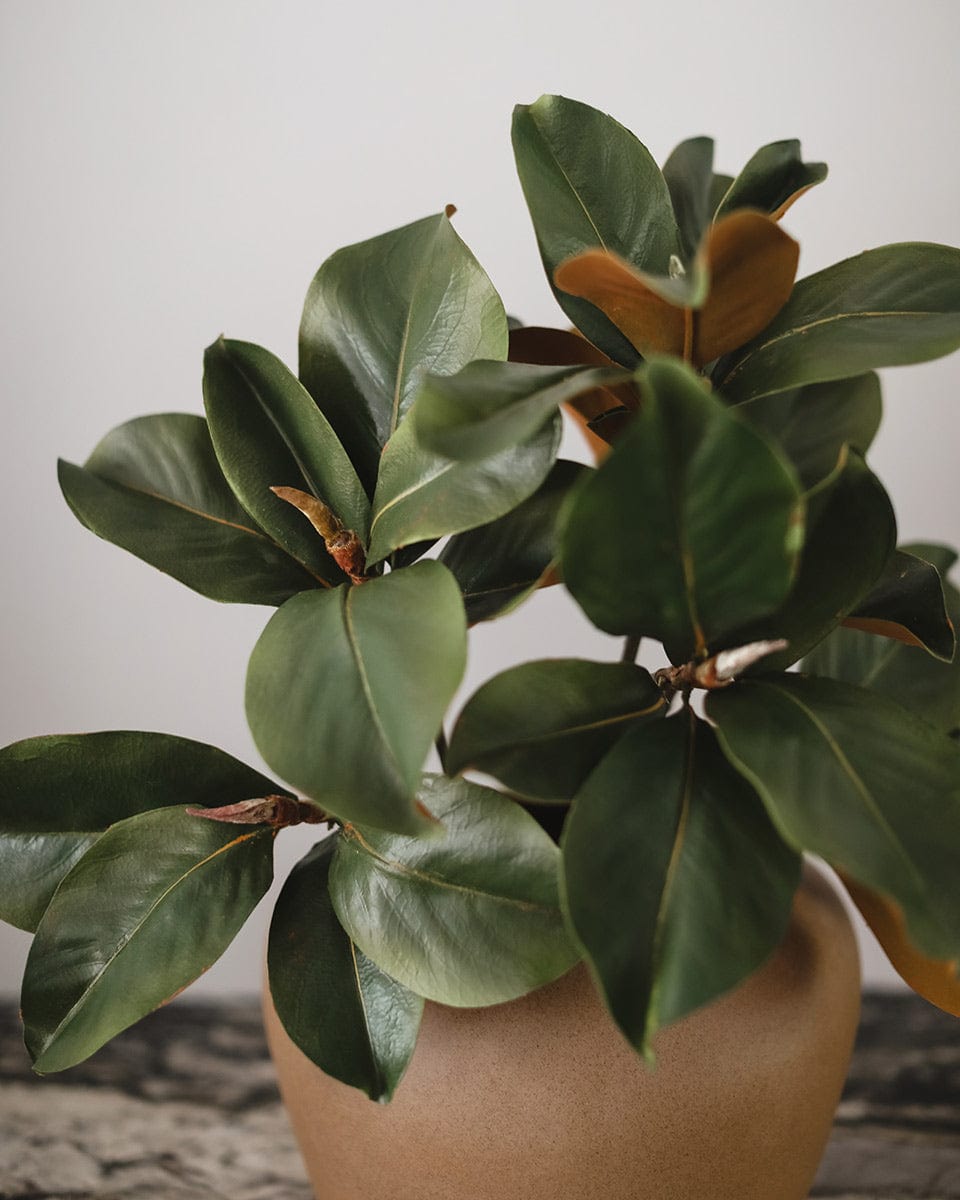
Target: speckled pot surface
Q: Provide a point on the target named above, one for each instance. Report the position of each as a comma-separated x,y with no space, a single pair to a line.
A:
541,1099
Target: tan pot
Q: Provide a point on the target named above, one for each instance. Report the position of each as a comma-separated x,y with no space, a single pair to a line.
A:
541,1098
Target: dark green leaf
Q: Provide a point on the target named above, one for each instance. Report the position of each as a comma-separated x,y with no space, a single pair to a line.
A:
499,564
346,691
543,726
256,455
148,908
856,779
675,881
489,407
154,487
772,180
907,603
590,183
382,313
58,794
356,1023
689,175
701,521
469,919
812,424
719,186
894,305
425,495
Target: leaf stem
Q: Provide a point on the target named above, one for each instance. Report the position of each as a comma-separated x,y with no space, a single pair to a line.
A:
631,648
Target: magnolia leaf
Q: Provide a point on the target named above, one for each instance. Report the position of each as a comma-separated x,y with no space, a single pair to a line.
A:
422,495
356,1023
58,795
886,307
380,315
702,521
150,906
907,603
497,565
589,183
772,180
472,918
153,486
346,691
542,727
563,347
689,175
668,837
858,780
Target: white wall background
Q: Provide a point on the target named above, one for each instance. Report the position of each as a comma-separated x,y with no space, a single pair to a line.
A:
172,171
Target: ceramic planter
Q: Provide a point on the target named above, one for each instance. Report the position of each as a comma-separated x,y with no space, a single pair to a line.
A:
541,1098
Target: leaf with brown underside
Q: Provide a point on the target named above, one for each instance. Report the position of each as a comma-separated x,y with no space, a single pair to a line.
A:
933,978
546,347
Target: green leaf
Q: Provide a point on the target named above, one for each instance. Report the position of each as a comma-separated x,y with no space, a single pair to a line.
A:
356,1023
772,180
425,495
852,534
886,307
489,407
542,727
346,691
701,521
923,684
381,314
499,564
812,424
59,794
907,603
689,175
154,487
256,454
858,780
148,908
589,183
469,919
675,881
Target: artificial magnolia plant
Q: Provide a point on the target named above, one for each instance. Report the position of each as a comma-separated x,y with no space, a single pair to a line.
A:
732,518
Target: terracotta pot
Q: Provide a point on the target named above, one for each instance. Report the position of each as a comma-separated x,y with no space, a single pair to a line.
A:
541,1098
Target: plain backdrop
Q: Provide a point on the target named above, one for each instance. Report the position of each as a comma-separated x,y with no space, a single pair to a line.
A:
172,171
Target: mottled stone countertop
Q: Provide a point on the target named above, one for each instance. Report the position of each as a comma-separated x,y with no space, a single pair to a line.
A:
184,1106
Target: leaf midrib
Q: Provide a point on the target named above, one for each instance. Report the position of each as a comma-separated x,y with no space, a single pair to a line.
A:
584,727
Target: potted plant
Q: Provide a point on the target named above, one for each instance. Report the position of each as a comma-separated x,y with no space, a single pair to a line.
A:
406,486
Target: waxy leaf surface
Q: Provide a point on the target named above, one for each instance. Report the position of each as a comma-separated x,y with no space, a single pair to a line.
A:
907,603
772,180
356,1023
153,486
469,919
148,908
346,690
689,176
542,727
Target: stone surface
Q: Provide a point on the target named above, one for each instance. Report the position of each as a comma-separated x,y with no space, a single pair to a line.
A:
183,1106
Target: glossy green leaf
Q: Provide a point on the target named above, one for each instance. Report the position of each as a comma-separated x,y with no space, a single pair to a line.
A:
719,186
499,564
812,424
853,533
773,178
346,691
886,307
590,183
356,1023
469,919
689,175
701,521
153,486
903,673
58,794
425,495
860,781
257,454
148,908
542,727
675,881
907,603
489,407
380,315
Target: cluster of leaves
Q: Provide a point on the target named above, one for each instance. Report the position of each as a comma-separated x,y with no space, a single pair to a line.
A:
732,410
